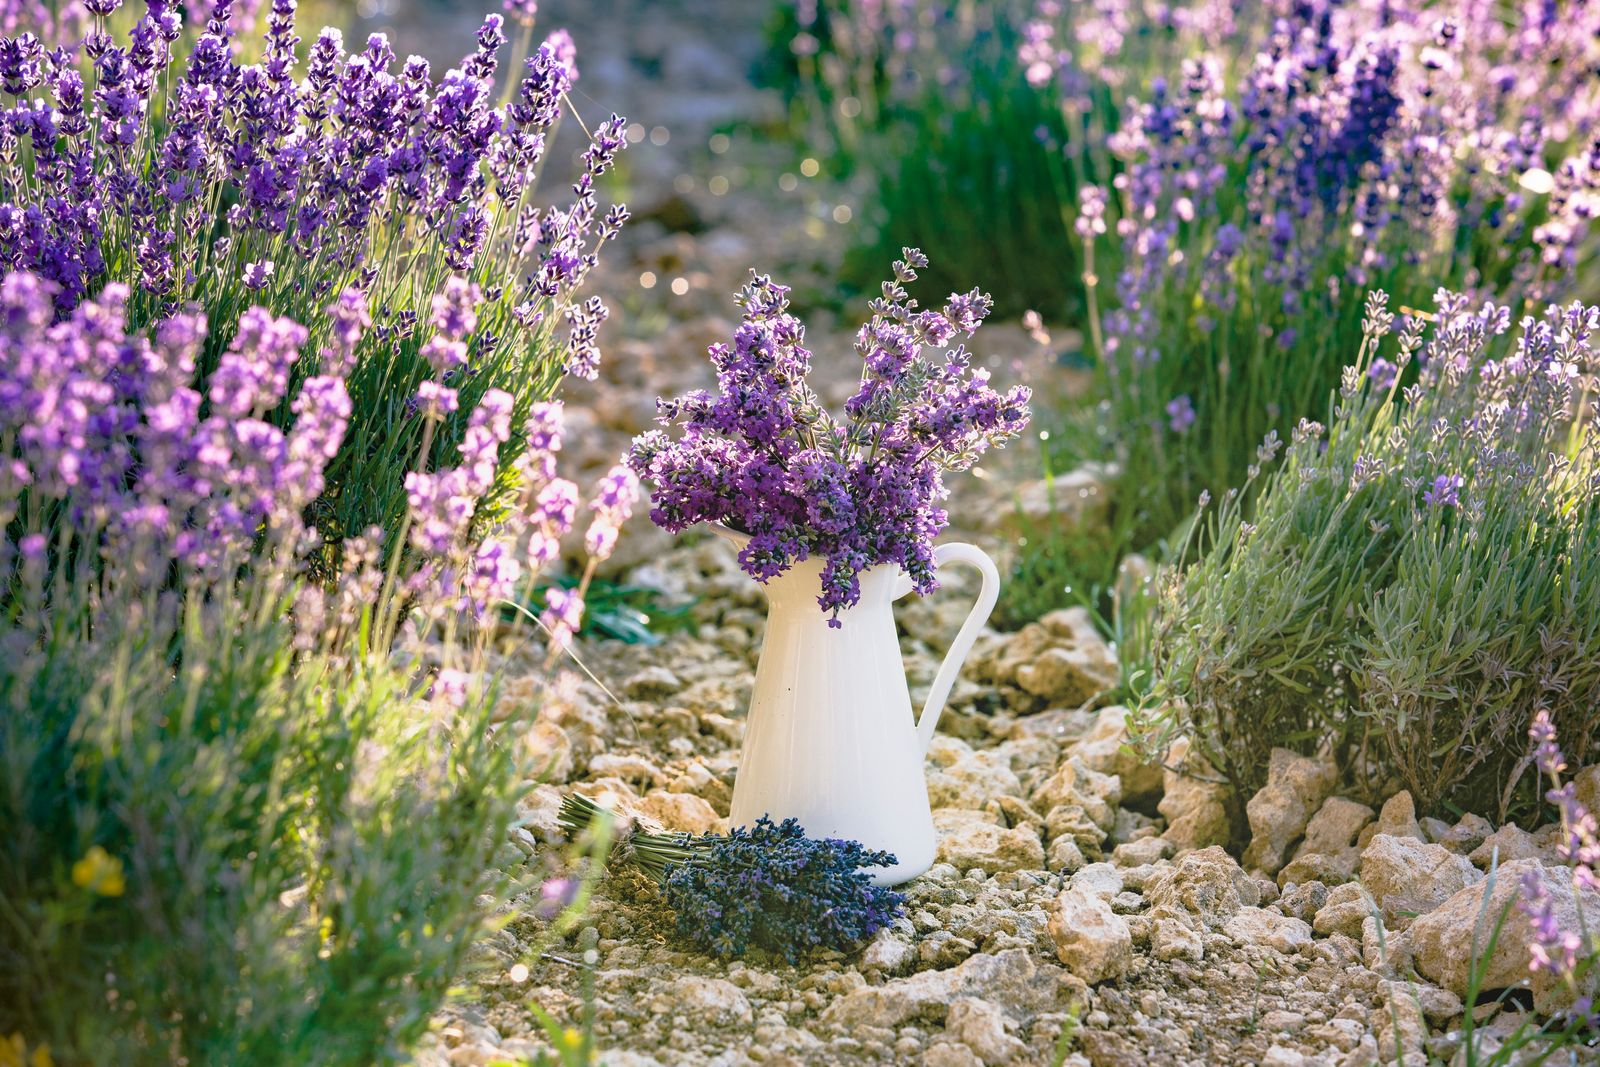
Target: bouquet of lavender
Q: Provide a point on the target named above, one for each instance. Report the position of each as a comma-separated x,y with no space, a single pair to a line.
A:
764,457
769,886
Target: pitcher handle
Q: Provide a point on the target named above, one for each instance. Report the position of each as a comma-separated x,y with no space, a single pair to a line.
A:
945,679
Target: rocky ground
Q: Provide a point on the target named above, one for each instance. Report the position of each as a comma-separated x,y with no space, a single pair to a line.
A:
1081,907
1076,888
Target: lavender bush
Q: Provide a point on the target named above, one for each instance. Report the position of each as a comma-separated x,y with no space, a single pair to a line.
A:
344,197
1208,189
240,828
922,105
763,456
1416,579
1255,198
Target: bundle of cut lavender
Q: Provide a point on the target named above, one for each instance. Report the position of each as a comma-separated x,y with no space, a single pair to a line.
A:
768,886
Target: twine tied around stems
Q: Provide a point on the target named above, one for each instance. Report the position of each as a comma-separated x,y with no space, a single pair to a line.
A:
653,850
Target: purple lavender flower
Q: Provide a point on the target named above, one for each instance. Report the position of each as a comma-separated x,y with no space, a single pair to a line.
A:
612,505
450,687
257,275
1382,373
1553,948
313,170
1091,220
1445,492
1546,752
762,456
553,511
564,51
106,421
491,578
254,371
557,895
966,311
349,320
1180,414
542,440
322,415
562,615
435,401
454,315
583,354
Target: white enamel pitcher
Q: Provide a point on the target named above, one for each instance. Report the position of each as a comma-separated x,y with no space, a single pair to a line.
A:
831,740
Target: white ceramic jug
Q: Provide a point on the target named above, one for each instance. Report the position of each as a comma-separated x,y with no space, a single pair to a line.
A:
831,740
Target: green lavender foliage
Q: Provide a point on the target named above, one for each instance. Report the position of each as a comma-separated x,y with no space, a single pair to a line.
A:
929,108
979,186
1063,563
975,147
299,840
1414,581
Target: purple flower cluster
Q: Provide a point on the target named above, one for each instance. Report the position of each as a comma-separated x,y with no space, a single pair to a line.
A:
764,457
120,151
522,10
334,188
1565,953
1241,197
1346,147
106,424
770,886
112,439
474,567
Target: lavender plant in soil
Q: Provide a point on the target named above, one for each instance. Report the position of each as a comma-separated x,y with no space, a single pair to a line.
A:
342,195
1416,579
238,828
762,456
1255,196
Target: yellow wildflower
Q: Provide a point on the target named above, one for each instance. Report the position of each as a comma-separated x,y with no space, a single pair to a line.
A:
14,1053
99,872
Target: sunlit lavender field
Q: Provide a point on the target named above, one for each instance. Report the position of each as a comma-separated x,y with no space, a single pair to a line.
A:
475,478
